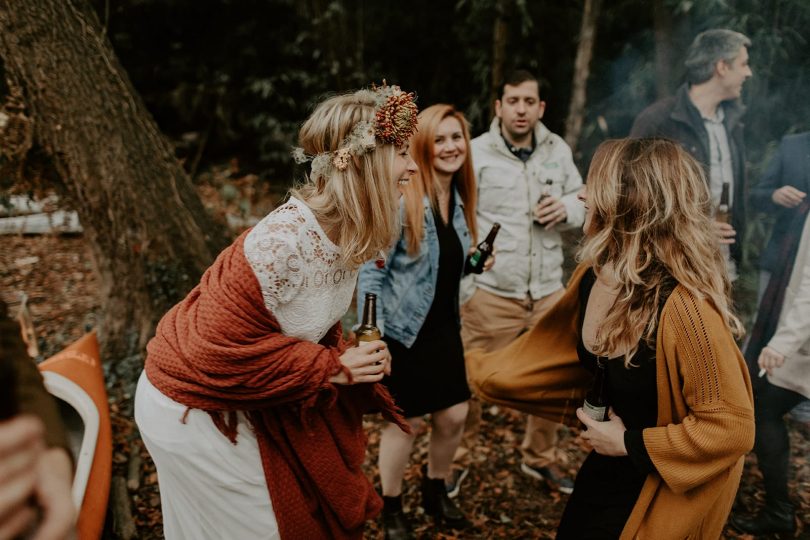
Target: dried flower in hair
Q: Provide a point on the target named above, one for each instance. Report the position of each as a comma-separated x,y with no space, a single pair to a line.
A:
395,120
299,155
341,159
320,166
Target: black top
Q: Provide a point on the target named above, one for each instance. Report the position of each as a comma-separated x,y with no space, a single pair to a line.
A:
633,393
430,375
444,309
607,487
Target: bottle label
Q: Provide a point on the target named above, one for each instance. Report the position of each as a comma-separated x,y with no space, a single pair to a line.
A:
474,258
597,413
368,334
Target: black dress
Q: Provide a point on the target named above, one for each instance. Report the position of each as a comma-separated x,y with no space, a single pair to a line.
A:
606,487
430,376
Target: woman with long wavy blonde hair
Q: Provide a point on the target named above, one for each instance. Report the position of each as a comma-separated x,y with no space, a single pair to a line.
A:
418,290
250,403
647,219
645,315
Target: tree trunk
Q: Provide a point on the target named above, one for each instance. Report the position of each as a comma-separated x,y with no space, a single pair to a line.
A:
582,69
662,21
500,38
151,238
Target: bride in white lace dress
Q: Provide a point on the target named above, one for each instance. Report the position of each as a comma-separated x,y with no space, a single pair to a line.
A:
305,256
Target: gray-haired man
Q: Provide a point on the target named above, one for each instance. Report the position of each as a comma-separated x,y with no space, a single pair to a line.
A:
704,116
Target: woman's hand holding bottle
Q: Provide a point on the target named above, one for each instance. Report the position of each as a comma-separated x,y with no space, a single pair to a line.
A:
607,437
367,363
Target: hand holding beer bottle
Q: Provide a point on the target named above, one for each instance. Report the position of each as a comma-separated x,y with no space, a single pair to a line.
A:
546,191
604,429
722,217
370,360
476,261
549,210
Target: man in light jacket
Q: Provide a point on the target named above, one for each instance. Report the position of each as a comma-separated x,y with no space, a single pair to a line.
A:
527,182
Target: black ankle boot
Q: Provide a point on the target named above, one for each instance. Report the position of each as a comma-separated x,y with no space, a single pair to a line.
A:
395,523
774,517
436,503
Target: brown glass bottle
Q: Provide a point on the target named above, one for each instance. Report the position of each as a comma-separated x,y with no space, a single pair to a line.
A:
368,331
722,213
546,190
475,261
596,403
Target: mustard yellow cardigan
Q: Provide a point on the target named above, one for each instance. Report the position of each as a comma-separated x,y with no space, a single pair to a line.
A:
705,407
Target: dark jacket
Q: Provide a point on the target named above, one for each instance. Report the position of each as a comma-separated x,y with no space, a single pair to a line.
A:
676,118
32,397
789,167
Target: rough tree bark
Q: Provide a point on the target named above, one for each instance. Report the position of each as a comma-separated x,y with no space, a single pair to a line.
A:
662,22
500,38
582,69
150,235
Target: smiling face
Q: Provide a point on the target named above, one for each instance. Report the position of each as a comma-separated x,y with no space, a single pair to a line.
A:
734,74
404,166
449,147
520,109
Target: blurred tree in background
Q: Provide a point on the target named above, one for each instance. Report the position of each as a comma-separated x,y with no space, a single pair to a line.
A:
237,78
231,81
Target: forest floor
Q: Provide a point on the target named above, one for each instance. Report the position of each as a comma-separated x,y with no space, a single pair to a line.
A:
500,501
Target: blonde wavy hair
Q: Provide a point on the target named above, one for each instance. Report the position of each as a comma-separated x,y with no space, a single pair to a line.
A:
650,219
361,203
425,182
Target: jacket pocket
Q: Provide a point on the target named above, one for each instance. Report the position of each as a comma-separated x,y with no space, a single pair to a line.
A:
552,256
497,192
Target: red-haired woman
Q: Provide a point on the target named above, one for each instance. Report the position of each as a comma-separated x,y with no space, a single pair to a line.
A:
418,313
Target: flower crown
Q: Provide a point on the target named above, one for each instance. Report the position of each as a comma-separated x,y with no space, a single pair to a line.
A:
394,123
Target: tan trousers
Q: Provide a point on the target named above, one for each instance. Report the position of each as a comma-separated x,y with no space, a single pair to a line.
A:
491,322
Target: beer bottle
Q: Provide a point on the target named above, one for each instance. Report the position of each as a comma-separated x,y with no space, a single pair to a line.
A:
596,400
722,213
476,259
368,330
546,190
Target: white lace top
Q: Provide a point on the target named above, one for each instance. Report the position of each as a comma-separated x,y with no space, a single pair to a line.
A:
303,282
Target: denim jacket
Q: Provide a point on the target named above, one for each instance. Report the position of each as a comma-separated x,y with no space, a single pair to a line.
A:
405,286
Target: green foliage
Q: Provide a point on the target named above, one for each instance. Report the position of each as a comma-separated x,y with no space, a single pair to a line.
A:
243,75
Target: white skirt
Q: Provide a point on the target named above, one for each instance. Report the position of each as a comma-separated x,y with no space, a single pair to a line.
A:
209,487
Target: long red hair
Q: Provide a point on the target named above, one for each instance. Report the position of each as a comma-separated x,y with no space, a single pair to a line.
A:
425,182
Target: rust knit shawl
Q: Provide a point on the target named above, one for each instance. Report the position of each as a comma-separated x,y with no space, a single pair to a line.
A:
705,422
220,350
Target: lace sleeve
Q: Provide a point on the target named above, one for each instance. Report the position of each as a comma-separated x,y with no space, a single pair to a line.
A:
274,253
